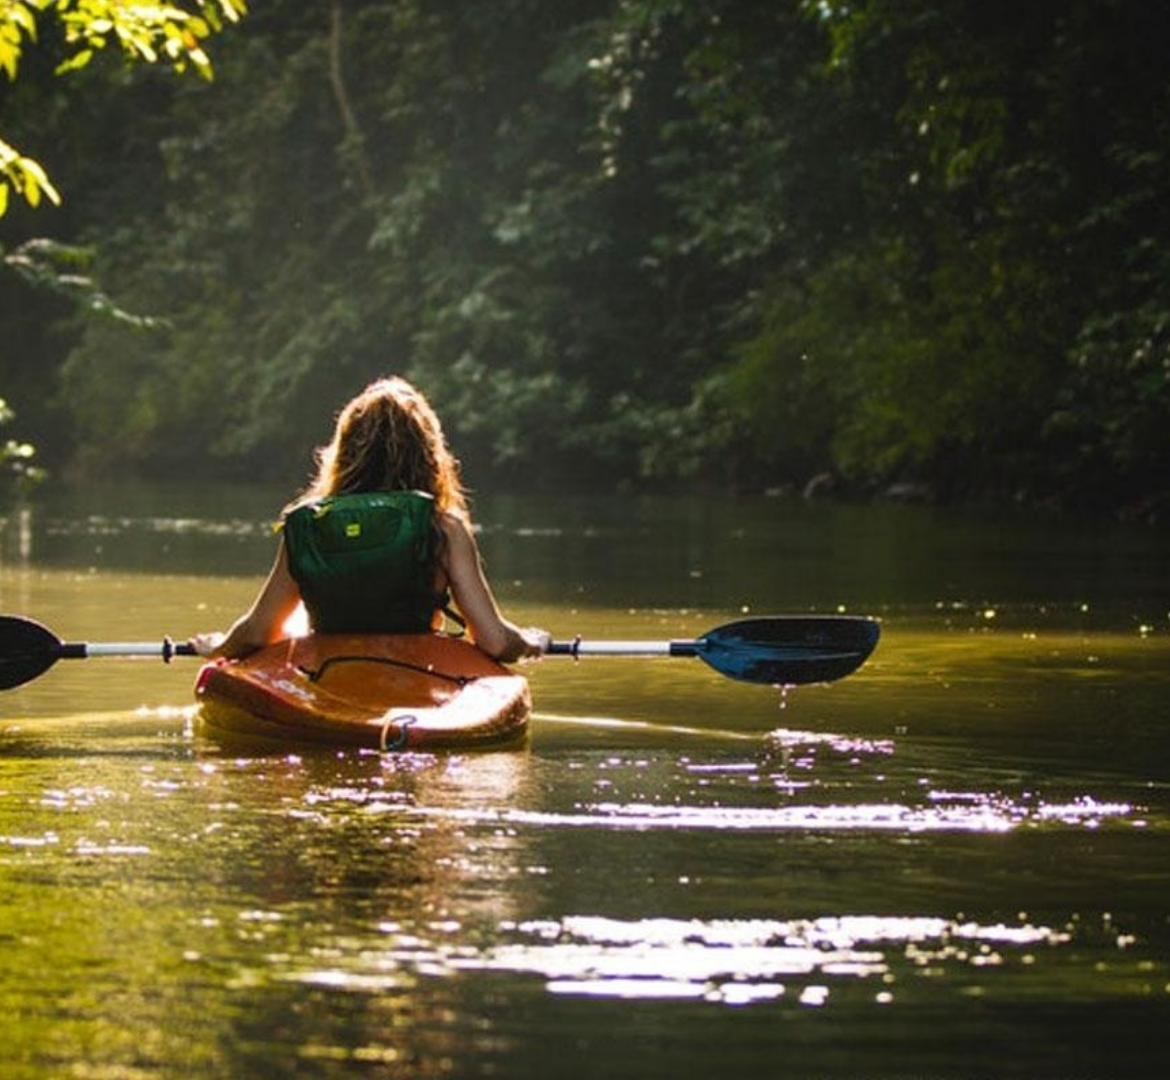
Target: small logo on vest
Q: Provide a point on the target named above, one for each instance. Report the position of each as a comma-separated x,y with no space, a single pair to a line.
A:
353,529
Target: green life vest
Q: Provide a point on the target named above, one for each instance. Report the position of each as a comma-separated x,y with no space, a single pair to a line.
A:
363,562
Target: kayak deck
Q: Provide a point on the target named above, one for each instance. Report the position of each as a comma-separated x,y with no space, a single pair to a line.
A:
392,692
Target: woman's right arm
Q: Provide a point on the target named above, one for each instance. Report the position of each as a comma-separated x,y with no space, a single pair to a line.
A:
472,594
263,623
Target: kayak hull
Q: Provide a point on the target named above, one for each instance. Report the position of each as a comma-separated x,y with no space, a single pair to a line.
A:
391,692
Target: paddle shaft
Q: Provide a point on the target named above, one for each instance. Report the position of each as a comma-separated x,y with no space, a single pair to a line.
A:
80,650
623,648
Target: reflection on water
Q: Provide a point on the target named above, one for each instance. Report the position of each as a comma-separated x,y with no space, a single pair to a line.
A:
950,812
732,962
425,903
737,962
953,863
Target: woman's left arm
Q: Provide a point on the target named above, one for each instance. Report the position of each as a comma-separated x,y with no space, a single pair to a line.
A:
263,623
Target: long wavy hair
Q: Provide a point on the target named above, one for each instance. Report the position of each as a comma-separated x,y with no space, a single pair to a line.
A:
388,438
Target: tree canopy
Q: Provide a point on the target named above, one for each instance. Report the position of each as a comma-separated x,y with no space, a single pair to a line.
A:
146,33
705,242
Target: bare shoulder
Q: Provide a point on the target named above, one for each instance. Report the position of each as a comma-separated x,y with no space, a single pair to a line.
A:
461,548
455,528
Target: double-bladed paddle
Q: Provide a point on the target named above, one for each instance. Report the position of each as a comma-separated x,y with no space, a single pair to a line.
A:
776,650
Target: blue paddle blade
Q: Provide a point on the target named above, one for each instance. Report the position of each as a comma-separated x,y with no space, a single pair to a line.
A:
789,650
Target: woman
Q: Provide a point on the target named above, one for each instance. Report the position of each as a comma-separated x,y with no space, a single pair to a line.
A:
379,540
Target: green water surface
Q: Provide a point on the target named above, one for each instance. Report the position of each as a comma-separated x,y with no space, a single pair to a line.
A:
954,863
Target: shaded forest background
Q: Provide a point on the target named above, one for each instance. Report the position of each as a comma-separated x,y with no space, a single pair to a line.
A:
714,243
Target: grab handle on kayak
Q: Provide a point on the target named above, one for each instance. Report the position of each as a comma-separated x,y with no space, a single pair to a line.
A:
399,743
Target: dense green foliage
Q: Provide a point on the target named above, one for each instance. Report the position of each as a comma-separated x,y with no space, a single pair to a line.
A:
18,473
143,33
736,243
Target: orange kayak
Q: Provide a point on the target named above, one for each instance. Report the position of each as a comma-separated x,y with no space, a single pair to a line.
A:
393,692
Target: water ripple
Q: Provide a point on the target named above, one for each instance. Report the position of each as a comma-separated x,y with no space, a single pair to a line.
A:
945,812
728,961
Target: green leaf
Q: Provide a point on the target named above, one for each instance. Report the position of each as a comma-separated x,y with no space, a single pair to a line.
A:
37,182
75,62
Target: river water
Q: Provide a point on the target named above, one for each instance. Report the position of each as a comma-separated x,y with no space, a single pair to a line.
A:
953,863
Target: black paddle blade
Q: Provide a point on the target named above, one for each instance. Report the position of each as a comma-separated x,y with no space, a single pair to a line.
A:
26,650
789,650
